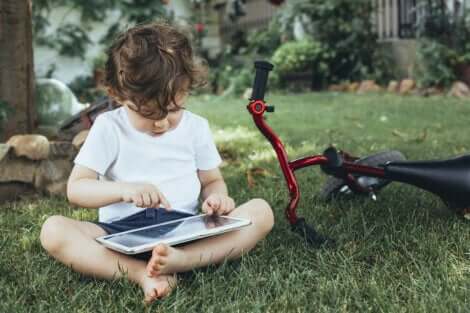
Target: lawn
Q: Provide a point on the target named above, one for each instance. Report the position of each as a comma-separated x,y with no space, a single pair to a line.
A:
403,253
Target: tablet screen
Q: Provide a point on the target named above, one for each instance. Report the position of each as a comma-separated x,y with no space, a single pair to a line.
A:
180,228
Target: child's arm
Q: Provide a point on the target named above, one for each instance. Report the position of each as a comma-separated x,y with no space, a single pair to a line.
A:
214,193
84,189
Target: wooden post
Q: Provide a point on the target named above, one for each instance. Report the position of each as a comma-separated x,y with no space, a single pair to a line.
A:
395,20
380,20
16,66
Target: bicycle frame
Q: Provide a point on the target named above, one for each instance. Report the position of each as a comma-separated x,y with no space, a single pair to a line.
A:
257,109
449,179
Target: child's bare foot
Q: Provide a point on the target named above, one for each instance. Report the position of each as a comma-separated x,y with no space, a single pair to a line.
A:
166,260
157,287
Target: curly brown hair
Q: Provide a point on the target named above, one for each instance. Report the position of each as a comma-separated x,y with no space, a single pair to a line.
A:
149,65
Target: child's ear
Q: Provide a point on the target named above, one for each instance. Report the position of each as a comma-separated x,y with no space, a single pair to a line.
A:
112,94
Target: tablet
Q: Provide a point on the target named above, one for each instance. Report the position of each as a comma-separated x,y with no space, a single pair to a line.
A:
171,233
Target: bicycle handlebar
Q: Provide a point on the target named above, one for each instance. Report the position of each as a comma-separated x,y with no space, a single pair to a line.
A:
261,78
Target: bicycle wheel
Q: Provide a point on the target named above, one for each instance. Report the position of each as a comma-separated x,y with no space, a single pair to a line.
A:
334,187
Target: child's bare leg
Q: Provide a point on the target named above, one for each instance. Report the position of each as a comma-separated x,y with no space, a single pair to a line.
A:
72,243
214,250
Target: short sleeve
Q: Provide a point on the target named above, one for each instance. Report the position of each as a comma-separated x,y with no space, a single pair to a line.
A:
100,147
207,156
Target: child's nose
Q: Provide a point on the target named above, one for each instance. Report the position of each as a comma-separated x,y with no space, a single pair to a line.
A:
162,124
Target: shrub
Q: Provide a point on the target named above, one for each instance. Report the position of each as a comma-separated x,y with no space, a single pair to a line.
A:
265,42
435,64
442,43
344,29
300,56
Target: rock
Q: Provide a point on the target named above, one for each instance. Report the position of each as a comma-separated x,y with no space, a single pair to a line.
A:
368,86
353,87
338,87
459,90
57,188
34,147
247,94
431,91
392,86
52,171
17,170
79,139
406,86
62,150
4,149
14,190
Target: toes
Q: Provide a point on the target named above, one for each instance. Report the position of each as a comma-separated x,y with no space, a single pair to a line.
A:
151,270
151,296
158,260
162,292
161,250
156,263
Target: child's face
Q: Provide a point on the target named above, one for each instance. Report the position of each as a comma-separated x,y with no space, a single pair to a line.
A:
150,124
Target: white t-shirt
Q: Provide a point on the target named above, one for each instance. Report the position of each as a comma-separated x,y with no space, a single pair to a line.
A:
119,152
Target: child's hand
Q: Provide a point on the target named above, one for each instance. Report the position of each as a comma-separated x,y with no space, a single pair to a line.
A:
218,204
144,195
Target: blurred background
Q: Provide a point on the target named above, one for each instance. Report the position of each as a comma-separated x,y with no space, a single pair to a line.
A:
50,47
53,54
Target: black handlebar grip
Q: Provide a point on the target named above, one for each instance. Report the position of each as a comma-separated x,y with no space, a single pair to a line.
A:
261,78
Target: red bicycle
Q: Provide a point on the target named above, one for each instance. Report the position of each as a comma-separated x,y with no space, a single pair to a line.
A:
448,179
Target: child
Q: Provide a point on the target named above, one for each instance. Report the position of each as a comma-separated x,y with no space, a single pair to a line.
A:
148,162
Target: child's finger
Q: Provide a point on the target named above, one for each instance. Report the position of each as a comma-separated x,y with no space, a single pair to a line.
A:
223,206
233,205
215,203
155,199
218,206
206,208
164,202
137,200
146,200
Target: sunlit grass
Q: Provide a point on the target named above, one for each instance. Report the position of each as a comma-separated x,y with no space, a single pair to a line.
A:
404,253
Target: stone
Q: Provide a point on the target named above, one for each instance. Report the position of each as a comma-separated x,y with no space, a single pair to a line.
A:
57,188
338,87
406,86
4,149
431,91
62,150
12,191
17,170
52,171
33,147
367,86
79,139
459,90
392,86
353,87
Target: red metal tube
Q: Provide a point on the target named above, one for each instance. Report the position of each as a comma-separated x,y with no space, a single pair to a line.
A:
257,109
365,170
308,161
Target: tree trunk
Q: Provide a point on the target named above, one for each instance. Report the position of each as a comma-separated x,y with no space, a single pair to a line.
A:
16,66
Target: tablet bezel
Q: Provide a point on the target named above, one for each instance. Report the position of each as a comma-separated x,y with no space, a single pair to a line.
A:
240,222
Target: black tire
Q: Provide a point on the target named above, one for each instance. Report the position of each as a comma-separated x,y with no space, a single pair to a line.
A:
333,186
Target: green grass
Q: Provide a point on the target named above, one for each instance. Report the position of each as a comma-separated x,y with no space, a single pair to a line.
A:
403,253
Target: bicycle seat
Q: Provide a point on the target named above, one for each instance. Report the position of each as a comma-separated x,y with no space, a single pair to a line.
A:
448,179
